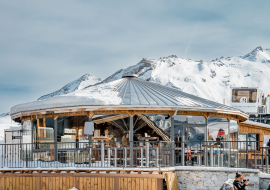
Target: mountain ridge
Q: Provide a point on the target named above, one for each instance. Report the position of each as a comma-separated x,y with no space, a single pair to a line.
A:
208,79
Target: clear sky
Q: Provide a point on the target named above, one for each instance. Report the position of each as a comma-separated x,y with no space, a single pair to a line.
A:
47,44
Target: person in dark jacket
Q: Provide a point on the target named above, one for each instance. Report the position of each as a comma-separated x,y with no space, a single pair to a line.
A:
239,183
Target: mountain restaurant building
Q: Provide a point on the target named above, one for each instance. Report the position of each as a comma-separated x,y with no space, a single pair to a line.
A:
133,120
137,126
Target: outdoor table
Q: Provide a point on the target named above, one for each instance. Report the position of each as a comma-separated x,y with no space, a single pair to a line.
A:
147,147
211,152
102,139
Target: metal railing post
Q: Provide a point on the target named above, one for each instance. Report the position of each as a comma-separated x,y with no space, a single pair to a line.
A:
102,153
157,156
141,156
26,159
90,155
125,157
262,159
147,152
266,161
246,154
183,153
115,157
229,155
255,161
109,157
211,156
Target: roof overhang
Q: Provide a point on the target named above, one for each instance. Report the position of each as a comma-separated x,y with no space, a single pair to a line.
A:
137,108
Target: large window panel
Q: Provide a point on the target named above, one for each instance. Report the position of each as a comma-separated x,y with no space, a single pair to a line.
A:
192,119
27,132
217,128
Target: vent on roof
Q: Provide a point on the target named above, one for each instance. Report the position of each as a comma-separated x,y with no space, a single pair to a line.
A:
129,75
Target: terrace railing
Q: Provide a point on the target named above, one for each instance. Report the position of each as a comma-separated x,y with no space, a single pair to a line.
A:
239,154
143,154
106,154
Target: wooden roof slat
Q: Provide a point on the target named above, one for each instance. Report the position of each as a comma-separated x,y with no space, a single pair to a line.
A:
110,118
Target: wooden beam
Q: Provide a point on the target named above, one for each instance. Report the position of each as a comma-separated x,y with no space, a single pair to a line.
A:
160,132
90,114
117,125
110,118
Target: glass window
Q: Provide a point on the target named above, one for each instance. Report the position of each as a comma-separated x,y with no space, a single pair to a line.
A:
244,95
161,121
233,126
44,132
217,128
192,119
71,130
26,132
249,140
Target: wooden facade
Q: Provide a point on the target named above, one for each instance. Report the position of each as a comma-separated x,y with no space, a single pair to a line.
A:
255,128
121,180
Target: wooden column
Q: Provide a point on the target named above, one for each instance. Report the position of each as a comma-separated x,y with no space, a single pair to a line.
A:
38,125
44,125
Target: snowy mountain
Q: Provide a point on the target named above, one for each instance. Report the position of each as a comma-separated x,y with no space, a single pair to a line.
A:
82,82
208,79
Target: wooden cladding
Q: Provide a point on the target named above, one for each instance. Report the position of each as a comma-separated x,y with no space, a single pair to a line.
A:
82,181
138,184
254,129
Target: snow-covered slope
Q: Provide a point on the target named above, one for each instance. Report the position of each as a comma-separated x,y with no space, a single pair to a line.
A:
82,82
208,79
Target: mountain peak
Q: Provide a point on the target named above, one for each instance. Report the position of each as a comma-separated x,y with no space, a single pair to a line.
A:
258,54
82,82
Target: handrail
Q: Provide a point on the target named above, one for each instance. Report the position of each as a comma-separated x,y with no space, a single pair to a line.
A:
146,154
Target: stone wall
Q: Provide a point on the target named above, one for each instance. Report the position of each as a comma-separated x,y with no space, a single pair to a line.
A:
264,183
212,178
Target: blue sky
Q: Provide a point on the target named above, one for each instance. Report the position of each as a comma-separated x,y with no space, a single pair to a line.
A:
46,44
